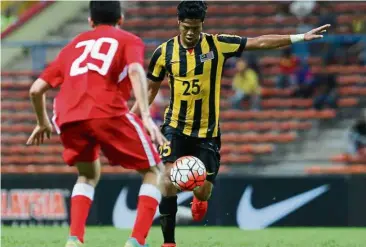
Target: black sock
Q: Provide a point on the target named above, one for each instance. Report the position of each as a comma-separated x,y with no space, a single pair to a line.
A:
168,209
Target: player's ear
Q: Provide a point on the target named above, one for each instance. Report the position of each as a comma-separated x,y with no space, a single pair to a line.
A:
91,22
120,21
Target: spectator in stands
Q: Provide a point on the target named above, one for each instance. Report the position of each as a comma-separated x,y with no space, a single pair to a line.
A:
359,23
327,16
327,94
302,49
356,53
281,11
254,65
304,81
246,86
288,67
7,18
357,138
300,9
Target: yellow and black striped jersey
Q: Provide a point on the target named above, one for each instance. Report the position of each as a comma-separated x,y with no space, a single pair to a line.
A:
194,79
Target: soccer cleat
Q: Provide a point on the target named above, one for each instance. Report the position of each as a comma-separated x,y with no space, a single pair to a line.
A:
199,209
73,241
168,245
132,242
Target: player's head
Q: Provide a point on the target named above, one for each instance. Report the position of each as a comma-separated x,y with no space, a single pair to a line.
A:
191,15
105,13
241,65
287,53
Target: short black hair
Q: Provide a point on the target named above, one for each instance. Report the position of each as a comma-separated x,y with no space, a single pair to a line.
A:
192,10
105,12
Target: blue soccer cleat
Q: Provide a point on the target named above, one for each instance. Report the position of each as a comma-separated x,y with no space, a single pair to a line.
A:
73,241
132,242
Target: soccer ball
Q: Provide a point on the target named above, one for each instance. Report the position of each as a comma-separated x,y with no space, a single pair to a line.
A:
188,173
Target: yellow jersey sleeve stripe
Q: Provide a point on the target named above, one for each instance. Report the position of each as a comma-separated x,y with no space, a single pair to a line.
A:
231,45
156,69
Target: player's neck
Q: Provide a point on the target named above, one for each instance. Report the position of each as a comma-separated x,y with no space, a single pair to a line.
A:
191,46
104,25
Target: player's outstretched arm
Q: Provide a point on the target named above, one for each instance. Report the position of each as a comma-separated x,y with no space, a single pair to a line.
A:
138,79
153,89
277,41
38,99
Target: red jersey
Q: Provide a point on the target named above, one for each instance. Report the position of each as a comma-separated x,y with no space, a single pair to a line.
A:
92,72
288,65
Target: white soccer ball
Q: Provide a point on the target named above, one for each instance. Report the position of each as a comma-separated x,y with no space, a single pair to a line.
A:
188,173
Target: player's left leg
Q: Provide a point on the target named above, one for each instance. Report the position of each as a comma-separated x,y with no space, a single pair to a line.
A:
82,151
209,153
81,200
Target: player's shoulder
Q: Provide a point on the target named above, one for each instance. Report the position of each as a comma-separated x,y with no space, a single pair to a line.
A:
223,36
220,37
127,35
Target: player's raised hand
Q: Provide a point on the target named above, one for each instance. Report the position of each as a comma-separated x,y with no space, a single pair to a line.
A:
316,33
37,136
154,131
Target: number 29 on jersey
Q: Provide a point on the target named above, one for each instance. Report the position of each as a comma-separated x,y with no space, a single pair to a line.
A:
93,48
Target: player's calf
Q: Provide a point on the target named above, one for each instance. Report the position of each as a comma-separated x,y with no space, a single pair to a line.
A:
149,199
199,205
168,208
82,197
203,193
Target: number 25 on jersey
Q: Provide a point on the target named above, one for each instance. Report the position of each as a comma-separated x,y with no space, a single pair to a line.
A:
92,47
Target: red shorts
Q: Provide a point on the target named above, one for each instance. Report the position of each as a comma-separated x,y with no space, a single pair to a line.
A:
123,140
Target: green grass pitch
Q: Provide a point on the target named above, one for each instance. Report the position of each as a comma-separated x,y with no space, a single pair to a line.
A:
193,237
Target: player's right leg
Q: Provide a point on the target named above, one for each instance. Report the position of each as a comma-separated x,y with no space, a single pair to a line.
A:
168,207
82,151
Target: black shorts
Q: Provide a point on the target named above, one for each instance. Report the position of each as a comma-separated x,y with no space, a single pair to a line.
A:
206,149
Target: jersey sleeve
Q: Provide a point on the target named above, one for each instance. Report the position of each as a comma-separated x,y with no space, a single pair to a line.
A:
134,52
156,71
231,45
53,73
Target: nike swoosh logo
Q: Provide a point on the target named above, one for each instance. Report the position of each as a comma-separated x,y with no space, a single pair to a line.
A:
124,217
248,217
210,173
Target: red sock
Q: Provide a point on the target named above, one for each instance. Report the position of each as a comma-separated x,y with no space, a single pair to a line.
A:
149,199
81,201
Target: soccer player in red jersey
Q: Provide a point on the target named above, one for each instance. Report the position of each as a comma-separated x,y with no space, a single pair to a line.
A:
93,72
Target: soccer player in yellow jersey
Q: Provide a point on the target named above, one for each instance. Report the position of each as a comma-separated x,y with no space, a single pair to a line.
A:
193,62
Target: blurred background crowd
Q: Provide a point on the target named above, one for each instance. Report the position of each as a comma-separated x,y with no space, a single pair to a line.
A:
299,105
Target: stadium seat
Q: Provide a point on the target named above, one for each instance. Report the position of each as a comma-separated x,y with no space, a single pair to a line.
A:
259,138
236,159
338,169
265,126
347,158
247,148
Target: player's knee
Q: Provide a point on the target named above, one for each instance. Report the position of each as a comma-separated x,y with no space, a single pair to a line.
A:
169,189
89,172
151,175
